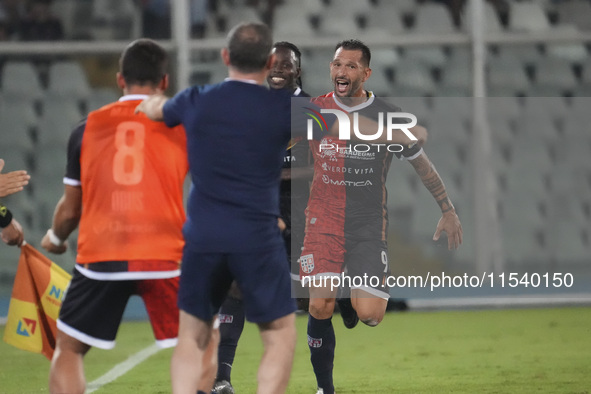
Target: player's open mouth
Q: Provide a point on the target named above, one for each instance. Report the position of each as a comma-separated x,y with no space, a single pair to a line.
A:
342,86
277,79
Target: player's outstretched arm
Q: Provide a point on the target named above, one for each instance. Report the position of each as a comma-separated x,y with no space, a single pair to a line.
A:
12,182
152,107
449,221
65,220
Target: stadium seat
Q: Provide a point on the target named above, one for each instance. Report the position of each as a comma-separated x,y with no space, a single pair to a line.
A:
401,6
456,76
57,122
208,72
75,16
347,8
460,54
453,108
379,83
50,163
312,7
417,106
526,54
99,97
575,12
317,83
433,18
335,25
569,243
505,74
401,192
288,24
316,71
18,124
553,75
21,80
580,108
68,79
491,18
527,16
508,108
384,18
523,229
542,129
575,154
239,14
444,152
384,58
526,173
14,159
115,19
501,130
575,128
499,154
573,52
412,79
586,72
22,111
566,203
553,110
432,56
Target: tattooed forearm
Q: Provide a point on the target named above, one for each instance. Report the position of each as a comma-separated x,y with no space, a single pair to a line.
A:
432,181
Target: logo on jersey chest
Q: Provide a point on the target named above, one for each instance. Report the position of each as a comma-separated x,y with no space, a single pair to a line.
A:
347,170
329,181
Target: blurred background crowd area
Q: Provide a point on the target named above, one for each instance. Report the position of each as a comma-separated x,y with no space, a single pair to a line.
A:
537,73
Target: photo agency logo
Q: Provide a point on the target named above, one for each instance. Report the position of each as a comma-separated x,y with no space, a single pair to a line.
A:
377,140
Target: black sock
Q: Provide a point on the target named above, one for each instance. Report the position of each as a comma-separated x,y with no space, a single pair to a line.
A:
322,343
231,325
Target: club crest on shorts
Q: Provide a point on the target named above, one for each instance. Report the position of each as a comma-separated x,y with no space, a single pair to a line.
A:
225,318
307,263
314,342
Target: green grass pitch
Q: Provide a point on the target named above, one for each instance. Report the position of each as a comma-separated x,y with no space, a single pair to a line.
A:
486,351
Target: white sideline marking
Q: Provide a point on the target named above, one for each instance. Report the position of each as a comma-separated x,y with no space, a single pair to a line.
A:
122,368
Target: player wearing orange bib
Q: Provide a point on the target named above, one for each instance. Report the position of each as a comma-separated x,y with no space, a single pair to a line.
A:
132,171
124,188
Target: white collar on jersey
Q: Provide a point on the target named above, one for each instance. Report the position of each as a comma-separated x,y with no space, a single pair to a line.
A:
252,81
130,97
365,104
297,91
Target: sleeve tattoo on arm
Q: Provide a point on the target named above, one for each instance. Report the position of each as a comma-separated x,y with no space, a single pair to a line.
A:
432,181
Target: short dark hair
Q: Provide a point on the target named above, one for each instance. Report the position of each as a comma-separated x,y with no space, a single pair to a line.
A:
249,46
352,45
292,47
143,62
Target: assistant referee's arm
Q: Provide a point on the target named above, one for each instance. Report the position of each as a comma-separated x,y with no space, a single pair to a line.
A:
12,232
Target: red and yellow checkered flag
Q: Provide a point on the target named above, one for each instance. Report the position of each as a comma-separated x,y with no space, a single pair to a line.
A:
39,287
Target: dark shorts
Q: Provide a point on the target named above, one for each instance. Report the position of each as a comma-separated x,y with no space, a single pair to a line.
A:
92,309
262,276
365,262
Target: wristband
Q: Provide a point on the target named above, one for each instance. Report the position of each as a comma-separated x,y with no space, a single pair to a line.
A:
54,239
5,216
